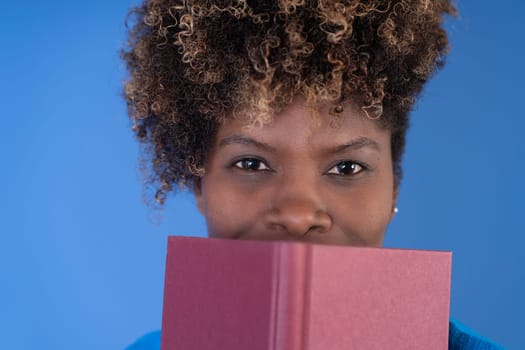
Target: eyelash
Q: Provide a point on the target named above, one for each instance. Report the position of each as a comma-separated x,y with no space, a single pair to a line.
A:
239,164
244,164
360,168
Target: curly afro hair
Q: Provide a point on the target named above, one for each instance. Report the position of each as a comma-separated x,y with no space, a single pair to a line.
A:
194,63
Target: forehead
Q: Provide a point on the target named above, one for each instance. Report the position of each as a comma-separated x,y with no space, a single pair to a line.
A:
299,125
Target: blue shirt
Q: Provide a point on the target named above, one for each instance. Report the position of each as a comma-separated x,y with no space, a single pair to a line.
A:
459,338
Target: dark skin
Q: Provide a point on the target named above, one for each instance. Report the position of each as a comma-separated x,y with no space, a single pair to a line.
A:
300,178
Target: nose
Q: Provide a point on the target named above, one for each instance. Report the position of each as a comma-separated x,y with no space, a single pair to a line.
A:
298,209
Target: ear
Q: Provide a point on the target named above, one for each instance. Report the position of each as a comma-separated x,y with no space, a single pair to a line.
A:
197,191
394,199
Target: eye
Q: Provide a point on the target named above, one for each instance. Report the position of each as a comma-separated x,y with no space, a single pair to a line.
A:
251,164
346,167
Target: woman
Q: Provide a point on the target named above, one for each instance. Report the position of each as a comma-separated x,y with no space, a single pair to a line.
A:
286,118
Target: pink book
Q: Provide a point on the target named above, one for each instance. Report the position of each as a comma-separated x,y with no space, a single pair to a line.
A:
253,295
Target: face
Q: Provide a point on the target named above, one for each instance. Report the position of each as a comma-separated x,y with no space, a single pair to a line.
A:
300,178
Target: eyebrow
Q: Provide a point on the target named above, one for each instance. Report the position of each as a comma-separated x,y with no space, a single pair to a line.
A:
354,145
243,140
358,143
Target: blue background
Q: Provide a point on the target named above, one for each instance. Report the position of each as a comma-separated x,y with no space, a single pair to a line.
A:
82,257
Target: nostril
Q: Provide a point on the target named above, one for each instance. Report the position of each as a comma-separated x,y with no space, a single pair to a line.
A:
322,223
276,227
300,220
318,229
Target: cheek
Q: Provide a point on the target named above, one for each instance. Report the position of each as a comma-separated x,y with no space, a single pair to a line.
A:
379,215
217,210
363,213
228,211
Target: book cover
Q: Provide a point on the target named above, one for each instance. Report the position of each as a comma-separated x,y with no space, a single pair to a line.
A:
238,295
